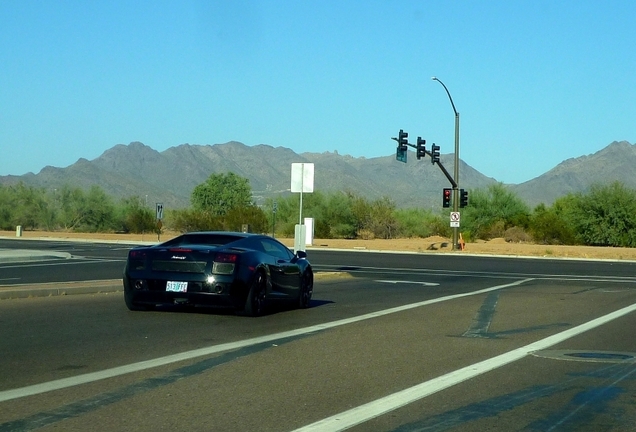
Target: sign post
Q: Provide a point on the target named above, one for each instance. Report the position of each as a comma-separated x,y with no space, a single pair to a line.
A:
159,213
302,180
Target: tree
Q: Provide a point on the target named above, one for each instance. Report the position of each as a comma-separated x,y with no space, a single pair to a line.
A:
419,222
186,220
91,211
549,226
220,193
135,216
30,205
383,222
72,204
7,208
99,211
492,211
606,216
361,213
250,215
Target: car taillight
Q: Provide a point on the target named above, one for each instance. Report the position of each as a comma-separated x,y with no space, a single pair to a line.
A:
180,250
137,260
224,263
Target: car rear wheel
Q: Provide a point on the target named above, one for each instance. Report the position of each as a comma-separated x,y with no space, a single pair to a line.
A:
132,305
306,290
129,298
255,304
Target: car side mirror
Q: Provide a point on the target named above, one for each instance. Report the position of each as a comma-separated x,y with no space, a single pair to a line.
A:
301,254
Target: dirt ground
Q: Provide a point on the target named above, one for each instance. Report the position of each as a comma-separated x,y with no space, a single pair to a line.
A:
428,245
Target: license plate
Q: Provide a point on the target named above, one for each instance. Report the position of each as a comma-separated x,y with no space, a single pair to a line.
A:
176,286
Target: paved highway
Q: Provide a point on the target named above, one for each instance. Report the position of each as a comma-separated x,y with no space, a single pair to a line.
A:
405,342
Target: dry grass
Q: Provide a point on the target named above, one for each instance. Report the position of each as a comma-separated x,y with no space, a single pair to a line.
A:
428,245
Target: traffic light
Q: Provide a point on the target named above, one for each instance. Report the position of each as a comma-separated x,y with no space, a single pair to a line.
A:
403,139
446,196
434,154
421,148
463,198
402,146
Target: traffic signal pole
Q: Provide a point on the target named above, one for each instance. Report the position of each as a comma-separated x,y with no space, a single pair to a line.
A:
420,148
456,170
456,175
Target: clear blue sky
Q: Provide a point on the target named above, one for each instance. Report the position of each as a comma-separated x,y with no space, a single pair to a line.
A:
536,82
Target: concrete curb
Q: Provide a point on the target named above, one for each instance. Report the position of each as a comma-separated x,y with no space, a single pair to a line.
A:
82,240
22,255
8,292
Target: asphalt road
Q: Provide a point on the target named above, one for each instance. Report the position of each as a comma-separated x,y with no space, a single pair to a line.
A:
405,342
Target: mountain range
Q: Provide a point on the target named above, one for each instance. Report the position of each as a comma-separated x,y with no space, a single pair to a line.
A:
170,176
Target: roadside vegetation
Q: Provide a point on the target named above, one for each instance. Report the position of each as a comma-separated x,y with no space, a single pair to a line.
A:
604,216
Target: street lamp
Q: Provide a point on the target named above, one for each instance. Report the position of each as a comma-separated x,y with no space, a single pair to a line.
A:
456,171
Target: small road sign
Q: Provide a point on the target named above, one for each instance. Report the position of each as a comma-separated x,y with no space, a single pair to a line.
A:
454,219
159,211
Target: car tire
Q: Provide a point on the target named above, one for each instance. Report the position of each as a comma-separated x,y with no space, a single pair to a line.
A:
255,303
306,289
129,299
131,305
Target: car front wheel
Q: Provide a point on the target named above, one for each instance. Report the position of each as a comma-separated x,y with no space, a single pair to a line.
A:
306,289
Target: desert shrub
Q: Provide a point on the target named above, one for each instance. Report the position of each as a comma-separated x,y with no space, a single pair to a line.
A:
187,220
492,211
606,216
496,229
414,222
440,226
135,216
342,230
549,226
250,215
366,234
517,235
382,219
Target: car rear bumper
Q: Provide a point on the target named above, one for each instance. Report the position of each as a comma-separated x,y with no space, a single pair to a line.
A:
192,299
153,292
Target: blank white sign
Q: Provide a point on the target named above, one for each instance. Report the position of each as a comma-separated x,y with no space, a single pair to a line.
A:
302,177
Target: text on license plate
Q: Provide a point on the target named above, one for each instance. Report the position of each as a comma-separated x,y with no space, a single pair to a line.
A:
176,286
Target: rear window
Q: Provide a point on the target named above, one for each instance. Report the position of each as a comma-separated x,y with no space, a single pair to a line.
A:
202,239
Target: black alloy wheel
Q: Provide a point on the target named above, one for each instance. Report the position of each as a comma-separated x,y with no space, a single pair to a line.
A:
255,304
131,305
306,289
128,298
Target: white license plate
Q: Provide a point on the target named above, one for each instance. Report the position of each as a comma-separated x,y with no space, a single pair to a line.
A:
176,286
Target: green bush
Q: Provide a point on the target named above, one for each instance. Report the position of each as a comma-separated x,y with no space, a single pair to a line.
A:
606,216
492,211
187,220
549,226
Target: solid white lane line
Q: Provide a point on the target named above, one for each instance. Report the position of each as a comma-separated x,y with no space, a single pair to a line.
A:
395,282
187,355
366,412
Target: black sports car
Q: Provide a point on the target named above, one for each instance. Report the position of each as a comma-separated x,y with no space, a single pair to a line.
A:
237,270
